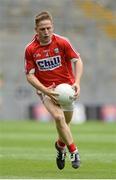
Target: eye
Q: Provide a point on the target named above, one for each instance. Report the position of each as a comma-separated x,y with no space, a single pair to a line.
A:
42,29
48,28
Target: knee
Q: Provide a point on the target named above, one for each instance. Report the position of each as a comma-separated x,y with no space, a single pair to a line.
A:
58,117
60,121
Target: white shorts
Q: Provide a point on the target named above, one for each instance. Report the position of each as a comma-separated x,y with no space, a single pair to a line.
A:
68,108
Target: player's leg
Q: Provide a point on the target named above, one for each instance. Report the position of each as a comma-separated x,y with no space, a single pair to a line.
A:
61,125
68,116
74,153
64,133
65,136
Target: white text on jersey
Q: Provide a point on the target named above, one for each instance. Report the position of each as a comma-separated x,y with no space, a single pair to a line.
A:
49,63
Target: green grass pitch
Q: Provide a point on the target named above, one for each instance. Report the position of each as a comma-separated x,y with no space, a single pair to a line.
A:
27,151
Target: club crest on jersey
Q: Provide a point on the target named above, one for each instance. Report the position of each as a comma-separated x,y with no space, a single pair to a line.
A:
49,63
56,50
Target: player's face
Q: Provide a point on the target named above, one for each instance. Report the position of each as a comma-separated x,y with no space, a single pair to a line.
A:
44,30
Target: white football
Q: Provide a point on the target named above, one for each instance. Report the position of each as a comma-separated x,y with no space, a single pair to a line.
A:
66,93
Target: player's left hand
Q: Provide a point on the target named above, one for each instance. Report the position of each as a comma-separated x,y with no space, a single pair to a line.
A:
76,87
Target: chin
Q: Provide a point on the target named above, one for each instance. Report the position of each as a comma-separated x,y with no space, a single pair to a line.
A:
47,40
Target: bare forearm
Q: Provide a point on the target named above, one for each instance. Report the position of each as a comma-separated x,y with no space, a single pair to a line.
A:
36,83
39,86
78,68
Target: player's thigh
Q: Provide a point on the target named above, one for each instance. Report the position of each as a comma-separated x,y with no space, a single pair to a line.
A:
53,109
68,116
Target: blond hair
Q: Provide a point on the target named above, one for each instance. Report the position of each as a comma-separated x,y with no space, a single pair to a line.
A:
45,15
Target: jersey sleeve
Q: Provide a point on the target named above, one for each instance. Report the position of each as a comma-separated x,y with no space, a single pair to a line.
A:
70,52
29,63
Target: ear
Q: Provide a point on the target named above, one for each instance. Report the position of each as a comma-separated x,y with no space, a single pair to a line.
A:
52,28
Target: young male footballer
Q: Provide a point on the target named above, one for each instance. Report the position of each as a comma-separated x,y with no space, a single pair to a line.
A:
48,63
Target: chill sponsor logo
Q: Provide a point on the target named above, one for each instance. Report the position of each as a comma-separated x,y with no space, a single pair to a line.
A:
49,63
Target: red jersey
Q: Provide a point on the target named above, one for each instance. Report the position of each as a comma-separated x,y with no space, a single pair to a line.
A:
52,62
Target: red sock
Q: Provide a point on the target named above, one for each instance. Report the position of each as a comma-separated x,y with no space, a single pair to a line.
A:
72,147
61,144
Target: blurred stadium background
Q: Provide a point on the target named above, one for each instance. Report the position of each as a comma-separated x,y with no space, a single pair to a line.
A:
91,27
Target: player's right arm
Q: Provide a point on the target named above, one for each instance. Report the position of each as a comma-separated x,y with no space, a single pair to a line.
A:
32,79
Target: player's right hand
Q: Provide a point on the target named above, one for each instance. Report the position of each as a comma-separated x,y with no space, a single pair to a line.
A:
52,94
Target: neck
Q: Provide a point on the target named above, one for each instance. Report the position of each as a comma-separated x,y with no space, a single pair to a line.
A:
45,43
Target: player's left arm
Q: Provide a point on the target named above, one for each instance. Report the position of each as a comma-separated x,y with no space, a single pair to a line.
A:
74,56
78,71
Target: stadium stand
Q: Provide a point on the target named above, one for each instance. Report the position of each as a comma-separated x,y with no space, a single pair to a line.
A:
104,17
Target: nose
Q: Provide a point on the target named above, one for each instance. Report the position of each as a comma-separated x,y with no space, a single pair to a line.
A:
46,31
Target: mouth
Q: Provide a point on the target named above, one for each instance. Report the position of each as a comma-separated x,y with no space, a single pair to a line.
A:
46,37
